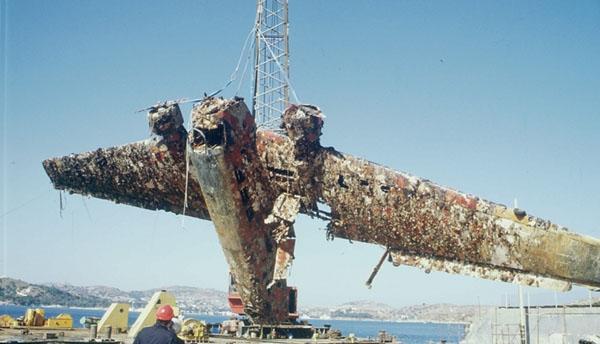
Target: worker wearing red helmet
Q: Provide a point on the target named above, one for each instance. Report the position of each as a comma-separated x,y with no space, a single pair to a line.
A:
161,332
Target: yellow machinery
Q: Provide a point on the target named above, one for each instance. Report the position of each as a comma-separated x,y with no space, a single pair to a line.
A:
148,316
116,316
7,321
34,317
193,330
61,321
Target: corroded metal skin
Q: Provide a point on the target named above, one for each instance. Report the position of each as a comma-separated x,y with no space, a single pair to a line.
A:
149,174
264,179
477,270
415,217
374,204
239,198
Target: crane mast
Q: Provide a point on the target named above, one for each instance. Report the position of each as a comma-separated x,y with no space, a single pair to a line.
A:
271,63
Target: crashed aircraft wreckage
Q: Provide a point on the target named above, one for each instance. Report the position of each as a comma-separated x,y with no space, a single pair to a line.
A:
251,184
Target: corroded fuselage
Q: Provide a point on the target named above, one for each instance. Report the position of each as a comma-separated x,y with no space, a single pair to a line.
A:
239,198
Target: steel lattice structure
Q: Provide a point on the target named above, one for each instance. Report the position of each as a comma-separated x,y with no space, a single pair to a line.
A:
271,63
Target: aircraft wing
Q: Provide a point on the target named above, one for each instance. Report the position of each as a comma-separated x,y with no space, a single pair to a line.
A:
421,223
436,228
147,174
432,227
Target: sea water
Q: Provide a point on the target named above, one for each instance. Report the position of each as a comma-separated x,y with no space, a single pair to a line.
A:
405,332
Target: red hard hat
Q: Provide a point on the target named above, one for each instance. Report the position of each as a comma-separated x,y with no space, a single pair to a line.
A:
164,313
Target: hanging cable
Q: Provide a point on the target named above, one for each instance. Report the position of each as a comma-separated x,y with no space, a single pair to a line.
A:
237,91
187,174
233,76
61,206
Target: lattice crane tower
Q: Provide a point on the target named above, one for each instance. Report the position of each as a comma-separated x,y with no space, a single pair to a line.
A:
271,63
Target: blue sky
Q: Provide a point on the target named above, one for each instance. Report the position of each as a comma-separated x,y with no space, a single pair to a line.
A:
497,99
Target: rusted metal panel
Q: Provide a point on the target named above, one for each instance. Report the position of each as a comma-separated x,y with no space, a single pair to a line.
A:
429,264
374,204
283,215
284,258
148,174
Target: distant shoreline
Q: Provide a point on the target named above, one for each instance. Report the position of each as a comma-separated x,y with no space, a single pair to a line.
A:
76,307
414,321
53,306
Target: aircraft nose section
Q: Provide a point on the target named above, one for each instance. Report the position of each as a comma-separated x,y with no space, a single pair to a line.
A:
239,197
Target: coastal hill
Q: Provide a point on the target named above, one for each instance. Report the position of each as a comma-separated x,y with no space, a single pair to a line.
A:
18,292
190,299
211,301
380,311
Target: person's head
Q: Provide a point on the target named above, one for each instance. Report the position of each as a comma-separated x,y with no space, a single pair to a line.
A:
164,314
